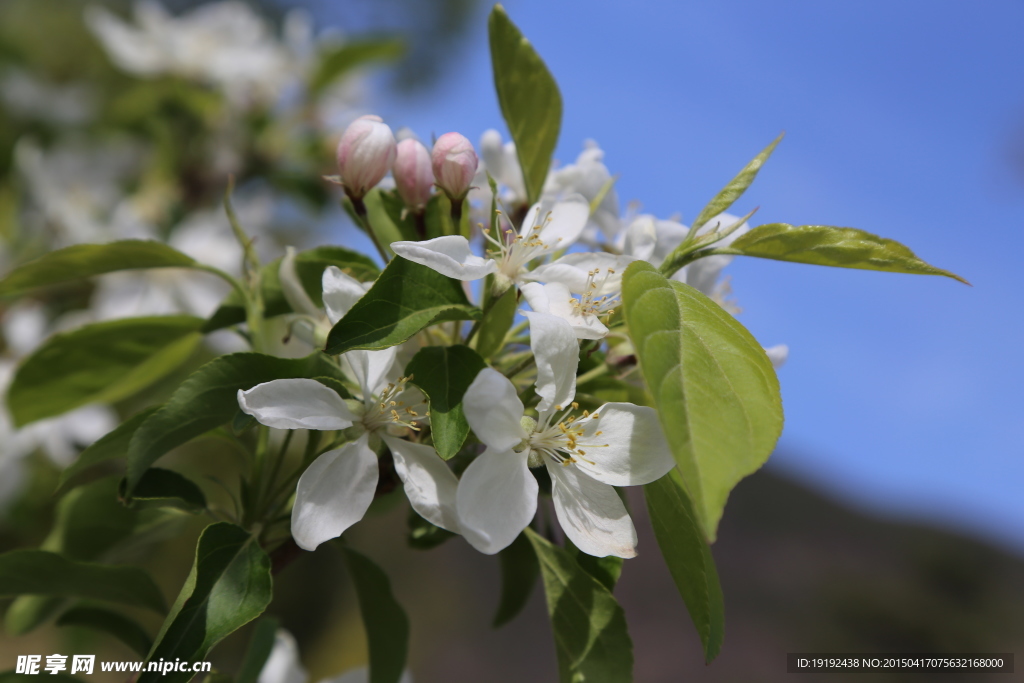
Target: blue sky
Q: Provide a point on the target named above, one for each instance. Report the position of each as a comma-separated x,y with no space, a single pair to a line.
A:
902,393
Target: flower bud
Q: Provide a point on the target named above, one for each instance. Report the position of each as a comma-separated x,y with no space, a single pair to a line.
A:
365,154
413,177
454,163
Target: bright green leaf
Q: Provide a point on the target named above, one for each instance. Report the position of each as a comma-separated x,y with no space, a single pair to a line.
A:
100,363
121,627
229,586
336,62
591,639
208,399
109,447
496,323
519,570
405,299
166,488
529,99
387,627
736,187
444,373
258,652
688,558
38,572
85,260
824,245
715,389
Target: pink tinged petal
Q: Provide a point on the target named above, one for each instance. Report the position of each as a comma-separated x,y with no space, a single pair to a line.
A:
494,411
778,355
296,404
449,255
414,179
341,292
334,493
573,270
429,484
365,154
294,293
591,513
283,665
454,164
565,223
370,369
557,351
496,499
636,452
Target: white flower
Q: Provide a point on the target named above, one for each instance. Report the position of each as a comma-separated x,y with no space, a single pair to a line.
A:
283,666
543,232
501,162
589,177
620,444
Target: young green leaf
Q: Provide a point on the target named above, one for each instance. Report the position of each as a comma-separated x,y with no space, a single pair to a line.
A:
406,298
736,187
529,99
688,558
715,389
85,260
824,245
167,488
208,399
100,363
258,652
496,323
444,373
229,586
607,570
591,639
519,570
335,62
38,572
387,627
121,627
109,447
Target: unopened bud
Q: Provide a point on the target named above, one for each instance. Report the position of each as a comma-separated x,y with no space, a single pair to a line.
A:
365,154
454,163
413,177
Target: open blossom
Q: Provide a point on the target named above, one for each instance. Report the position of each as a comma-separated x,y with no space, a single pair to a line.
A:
586,454
590,178
366,153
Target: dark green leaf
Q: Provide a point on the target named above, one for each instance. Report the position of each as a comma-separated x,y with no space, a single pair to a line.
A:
405,299
715,389
38,572
387,627
607,570
519,571
336,62
162,487
100,363
444,373
85,260
736,187
688,558
496,323
121,627
591,639
260,645
113,445
529,99
423,535
208,399
824,245
229,586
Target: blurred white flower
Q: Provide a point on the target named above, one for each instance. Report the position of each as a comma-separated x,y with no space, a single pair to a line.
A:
283,666
27,96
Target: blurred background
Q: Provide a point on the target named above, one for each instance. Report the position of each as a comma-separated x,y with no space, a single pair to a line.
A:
889,519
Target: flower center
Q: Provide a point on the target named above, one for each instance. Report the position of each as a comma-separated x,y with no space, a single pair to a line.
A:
590,303
515,250
564,438
390,409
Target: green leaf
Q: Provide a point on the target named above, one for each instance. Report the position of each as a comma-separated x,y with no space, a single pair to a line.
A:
529,99
336,62
715,389
387,627
519,571
422,534
100,363
121,627
166,488
824,245
444,373
208,399
38,572
607,570
85,260
591,639
736,187
229,586
405,299
496,323
688,558
258,652
109,447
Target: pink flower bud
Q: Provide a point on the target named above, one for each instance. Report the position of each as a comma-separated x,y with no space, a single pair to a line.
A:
454,164
413,177
365,154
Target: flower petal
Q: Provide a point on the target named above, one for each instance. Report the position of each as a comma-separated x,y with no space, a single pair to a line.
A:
556,299
449,255
296,404
429,484
291,286
283,665
370,369
494,411
564,223
334,493
537,296
496,499
591,513
778,355
341,292
558,355
573,271
630,449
